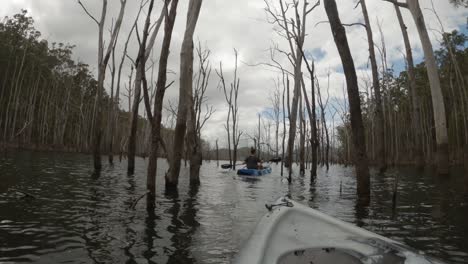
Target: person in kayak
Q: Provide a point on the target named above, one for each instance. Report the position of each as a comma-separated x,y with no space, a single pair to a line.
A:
252,161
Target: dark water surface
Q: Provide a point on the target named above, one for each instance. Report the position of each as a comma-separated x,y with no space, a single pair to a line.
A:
78,218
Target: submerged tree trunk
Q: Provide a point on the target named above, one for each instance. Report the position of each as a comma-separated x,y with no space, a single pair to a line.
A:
301,139
143,55
415,99
285,88
194,147
235,113
325,136
442,158
293,116
310,106
159,96
185,95
103,59
360,156
378,111
217,154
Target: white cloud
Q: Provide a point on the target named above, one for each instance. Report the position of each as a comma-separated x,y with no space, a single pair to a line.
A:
241,24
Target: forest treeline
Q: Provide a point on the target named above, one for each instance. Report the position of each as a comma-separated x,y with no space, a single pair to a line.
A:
48,100
406,144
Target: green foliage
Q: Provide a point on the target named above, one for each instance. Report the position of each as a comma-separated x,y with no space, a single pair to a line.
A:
452,61
46,97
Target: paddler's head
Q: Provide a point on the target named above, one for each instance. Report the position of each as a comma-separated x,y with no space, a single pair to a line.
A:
252,151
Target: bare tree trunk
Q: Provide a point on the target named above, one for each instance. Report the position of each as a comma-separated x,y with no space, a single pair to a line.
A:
111,113
285,85
103,59
310,105
134,123
159,96
301,139
360,156
276,101
185,96
143,55
442,158
228,97
217,154
117,92
326,138
415,99
379,118
196,158
235,113
293,116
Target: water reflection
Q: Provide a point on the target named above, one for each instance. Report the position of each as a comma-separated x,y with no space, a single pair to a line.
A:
183,226
79,218
150,234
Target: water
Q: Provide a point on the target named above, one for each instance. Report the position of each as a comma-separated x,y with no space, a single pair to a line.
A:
79,218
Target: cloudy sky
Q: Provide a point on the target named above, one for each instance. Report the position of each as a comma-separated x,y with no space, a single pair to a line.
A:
243,25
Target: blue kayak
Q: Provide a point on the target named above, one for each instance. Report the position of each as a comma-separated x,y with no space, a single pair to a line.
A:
253,172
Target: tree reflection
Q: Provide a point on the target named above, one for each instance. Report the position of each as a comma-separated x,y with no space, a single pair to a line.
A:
183,226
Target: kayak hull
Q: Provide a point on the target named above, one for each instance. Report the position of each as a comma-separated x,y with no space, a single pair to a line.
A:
251,172
293,233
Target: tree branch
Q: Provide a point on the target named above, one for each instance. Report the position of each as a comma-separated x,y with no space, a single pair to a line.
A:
89,14
395,2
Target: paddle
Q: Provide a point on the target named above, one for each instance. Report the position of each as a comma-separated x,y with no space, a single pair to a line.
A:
228,166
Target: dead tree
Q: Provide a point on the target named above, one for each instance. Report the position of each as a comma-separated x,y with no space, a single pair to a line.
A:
285,89
197,118
103,60
442,157
323,106
217,154
378,110
231,97
293,30
115,117
360,156
156,116
144,51
228,98
275,100
301,138
415,98
185,96
310,106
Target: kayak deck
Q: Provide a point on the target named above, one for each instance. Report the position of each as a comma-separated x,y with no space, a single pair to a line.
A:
294,233
253,172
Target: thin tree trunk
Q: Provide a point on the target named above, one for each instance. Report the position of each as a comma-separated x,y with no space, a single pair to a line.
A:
235,113
103,59
160,91
415,99
310,105
217,154
285,85
379,118
111,110
185,101
301,139
143,55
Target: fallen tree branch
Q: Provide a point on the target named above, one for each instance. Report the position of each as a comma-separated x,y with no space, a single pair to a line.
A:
26,195
137,200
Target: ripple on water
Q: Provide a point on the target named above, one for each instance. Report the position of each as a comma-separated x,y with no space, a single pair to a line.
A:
80,218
